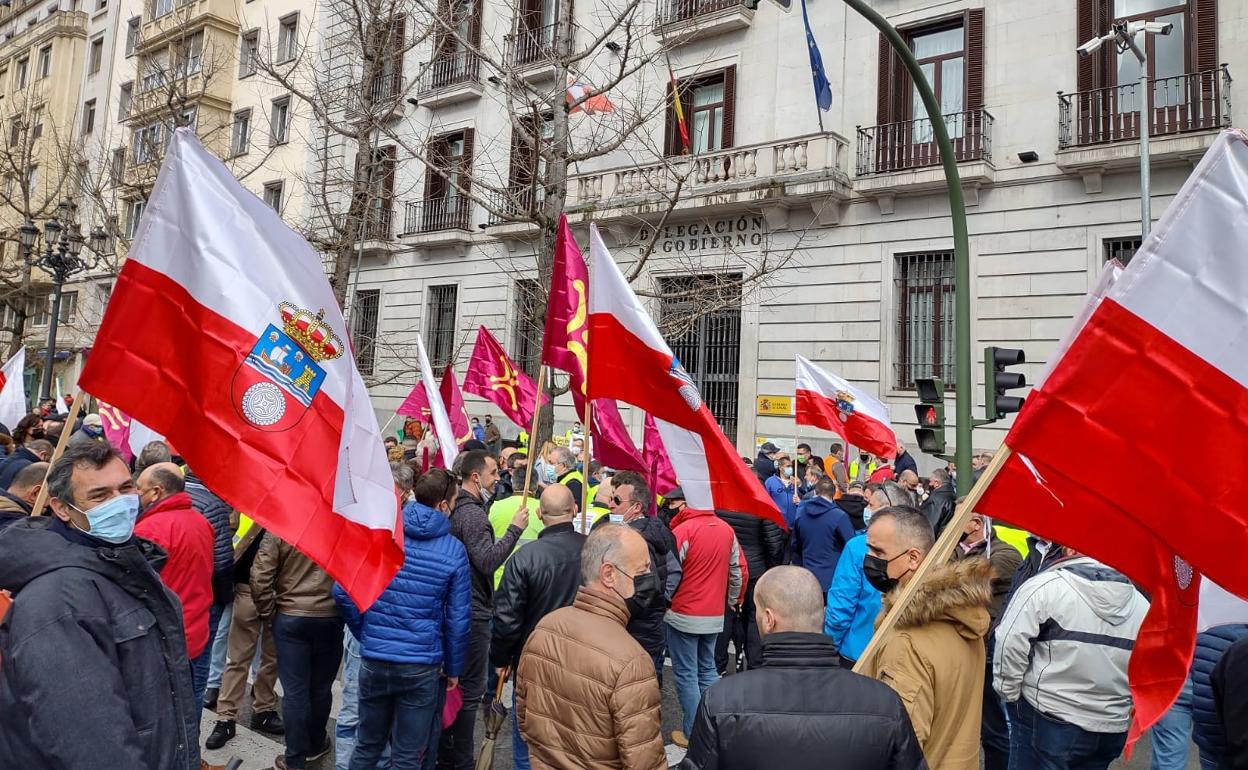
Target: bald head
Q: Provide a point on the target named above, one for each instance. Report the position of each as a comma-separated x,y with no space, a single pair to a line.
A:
558,505
28,481
159,481
789,599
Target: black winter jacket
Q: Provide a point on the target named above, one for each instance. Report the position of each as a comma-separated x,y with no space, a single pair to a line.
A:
14,464
647,627
217,512
539,579
854,506
765,544
905,462
940,506
471,525
1230,693
94,670
1206,727
801,711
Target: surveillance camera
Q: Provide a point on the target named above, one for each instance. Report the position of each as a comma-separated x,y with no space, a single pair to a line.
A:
1090,47
1158,28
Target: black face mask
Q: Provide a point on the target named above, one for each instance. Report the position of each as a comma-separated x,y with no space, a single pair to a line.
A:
38,433
875,569
645,593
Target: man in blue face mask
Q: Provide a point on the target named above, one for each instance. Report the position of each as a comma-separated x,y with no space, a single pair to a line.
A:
93,636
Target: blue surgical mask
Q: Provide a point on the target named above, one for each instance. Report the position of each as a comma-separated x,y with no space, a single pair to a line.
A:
788,472
112,520
548,474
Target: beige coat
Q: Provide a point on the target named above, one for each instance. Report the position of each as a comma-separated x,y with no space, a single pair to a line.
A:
586,694
934,660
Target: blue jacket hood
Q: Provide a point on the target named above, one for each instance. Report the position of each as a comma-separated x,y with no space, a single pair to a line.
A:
424,523
817,506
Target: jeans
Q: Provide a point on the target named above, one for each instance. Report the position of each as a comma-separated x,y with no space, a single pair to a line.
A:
658,668
1172,734
519,749
201,665
400,703
349,712
693,663
994,731
220,645
1039,742
457,747
308,653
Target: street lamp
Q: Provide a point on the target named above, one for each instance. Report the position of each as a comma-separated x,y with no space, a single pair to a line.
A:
1123,36
62,258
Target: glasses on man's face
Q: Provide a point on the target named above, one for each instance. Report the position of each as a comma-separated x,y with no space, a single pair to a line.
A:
617,500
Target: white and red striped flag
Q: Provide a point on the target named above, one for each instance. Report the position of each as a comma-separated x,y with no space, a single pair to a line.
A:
13,406
1160,361
826,401
630,362
223,335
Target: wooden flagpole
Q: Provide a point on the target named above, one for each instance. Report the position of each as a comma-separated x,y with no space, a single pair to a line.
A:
529,461
589,413
939,554
42,500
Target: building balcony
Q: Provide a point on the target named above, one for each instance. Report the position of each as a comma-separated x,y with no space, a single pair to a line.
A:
164,20
773,176
512,212
437,222
449,79
903,159
381,97
156,97
530,50
683,21
1099,129
60,24
374,232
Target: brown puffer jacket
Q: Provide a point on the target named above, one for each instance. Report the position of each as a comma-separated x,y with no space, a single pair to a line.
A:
586,693
934,660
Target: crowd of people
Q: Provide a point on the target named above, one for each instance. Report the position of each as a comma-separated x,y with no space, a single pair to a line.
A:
142,598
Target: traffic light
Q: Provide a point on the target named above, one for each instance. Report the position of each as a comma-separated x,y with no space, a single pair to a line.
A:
997,381
929,413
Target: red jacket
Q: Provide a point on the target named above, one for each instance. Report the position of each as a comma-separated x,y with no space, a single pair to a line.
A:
714,572
187,536
882,474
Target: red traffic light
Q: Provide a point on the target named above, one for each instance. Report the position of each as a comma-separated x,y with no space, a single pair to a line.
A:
929,416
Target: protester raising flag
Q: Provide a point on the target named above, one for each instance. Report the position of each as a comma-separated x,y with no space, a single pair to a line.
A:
223,334
1146,373
826,401
634,365
13,390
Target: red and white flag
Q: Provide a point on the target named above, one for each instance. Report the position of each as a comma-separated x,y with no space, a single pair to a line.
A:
13,406
630,362
453,400
447,448
223,335
1159,362
826,401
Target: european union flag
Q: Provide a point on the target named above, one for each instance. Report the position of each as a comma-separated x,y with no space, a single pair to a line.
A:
823,88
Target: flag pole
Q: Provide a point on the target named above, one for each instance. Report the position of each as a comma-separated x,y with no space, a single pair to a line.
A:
589,409
537,408
939,554
387,425
42,500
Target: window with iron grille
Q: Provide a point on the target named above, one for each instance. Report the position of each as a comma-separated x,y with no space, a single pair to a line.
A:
440,333
364,318
1121,249
701,316
527,340
924,285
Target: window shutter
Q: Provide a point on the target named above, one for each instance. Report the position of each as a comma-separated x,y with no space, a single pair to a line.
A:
974,59
435,184
884,95
730,106
465,179
1206,35
475,27
671,129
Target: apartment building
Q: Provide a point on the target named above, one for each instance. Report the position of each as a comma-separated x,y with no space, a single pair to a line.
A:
845,220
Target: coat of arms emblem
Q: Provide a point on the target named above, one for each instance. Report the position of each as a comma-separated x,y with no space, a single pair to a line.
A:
275,384
845,404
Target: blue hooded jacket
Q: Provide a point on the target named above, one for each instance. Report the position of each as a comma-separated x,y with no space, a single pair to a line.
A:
853,603
781,491
820,532
423,615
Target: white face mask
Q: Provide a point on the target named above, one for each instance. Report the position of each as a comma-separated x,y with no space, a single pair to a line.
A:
867,513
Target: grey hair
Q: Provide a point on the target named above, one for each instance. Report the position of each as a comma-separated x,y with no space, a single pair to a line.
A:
153,452
913,528
601,545
92,454
561,455
895,494
940,475
404,476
